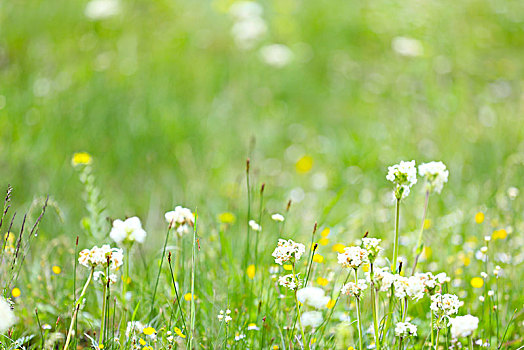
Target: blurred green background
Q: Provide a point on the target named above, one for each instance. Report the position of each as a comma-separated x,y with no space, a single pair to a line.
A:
170,98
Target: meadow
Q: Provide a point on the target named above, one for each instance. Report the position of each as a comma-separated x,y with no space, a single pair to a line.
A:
190,136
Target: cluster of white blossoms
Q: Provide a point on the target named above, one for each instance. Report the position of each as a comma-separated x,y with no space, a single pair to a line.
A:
354,289
431,281
101,277
463,326
249,26
405,329
412,287
436,175
372,246
445,304
95,257
128,231
353,257
313,296
311,319
277,217
289,281
224,316
255,226
404,176
181,219
8,316
288,250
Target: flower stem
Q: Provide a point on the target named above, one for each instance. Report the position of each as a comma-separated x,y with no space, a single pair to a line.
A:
306,346
358,316
432,328
396,242
159,271
77,306
102,326
374,309
418,246
400,343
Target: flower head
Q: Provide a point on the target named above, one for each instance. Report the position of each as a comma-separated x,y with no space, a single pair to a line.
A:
224,316
288,250
412,287
445,304
289,281
435,174
254,225
353,257
101,277
277,217
372,246
463,326
129,230
405,329
404,176
354,289
181,219
8,316
311,319
313,296
101,256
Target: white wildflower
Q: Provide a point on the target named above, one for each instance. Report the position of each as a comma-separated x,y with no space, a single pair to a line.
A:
354,289
407,46
134,327
435,174
277,217
182,219
289,281
276,55
311,319
405,329
445,304
372,246
254,225
100,256
412,287
8,316
313,296
129,230
353,257
288,250
463,326
101,9
404,176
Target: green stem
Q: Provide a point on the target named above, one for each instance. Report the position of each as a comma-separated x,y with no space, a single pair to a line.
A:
306,346
193,269
77,306
396,242
418,246
432,328
438,335
400,343
102,326
359,322
159,271
374,309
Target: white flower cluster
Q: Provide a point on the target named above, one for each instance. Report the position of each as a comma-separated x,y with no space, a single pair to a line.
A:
405,329
249,25
289,281
436,175
277,217
372,246
101,277
430,281
354,289
311,319
383,278
224,316
463,326
353,257
255,226
412,287
404,176
129,230
182,219
287,250
8,316
313,296
134,327
99,257
445,304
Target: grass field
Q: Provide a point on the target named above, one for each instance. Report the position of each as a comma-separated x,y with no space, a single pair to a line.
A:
170,99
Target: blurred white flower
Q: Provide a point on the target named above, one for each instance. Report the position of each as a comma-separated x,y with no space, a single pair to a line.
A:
254,225
276,55
182,219
100,256
435,174
463,326
289,281
313,296
287,250
412,287
224,316
101,9
246,9
353,257
101,277
354,289
407,46
405,329
8,316
404,176
248,32
134,327
277,217
311,319
129,230
445,304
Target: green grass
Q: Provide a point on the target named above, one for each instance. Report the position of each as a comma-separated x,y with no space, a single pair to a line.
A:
170,108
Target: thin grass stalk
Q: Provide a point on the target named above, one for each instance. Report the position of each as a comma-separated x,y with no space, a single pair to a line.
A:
248,218
40,328
77,307
396,242
374,308
193,269
304,342
176,293
419,245
159,271
359,321
260,210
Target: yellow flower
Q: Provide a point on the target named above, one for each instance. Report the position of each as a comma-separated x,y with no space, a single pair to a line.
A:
351,348
325,232
426,252
101,346
323,241
477,282
330,304
16,292
304,164
339,248
365,267
288,267
56,270
179,332
275,347
500,234
318,258
149,331
251,271
479,217
142,341
427,224
81,158
227,218
147,348
321,281
187,297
